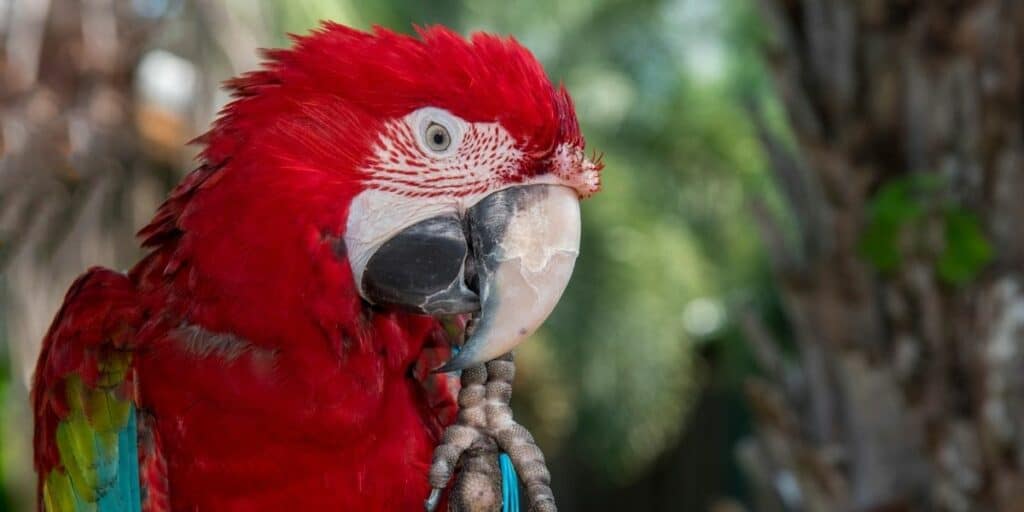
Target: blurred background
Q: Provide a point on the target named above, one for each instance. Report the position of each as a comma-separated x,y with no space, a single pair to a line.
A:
800,288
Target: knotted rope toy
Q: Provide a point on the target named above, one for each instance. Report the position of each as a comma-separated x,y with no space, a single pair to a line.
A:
471,444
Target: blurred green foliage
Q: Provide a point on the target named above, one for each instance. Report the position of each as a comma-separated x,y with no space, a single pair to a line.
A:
5,379
966,251
896,206
899,216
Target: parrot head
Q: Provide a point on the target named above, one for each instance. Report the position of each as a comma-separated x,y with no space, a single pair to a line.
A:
447,171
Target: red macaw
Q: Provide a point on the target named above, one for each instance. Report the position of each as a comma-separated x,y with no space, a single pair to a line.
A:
273,351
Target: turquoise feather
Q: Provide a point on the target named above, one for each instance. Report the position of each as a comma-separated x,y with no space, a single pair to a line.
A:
509,484
129,497
125,495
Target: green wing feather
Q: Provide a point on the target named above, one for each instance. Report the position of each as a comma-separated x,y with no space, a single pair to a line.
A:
86,434
96,475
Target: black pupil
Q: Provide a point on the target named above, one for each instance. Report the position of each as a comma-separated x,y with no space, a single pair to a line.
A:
438,137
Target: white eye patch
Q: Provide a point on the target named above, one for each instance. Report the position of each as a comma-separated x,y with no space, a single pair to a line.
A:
438,132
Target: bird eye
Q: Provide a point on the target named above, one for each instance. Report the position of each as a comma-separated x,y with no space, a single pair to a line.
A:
437,137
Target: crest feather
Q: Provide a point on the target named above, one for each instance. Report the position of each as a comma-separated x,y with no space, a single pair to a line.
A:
485,78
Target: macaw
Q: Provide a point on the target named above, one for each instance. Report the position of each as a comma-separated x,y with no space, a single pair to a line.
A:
368,206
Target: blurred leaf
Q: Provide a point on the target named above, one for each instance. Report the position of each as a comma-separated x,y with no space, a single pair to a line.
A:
967,251
897,206
899,211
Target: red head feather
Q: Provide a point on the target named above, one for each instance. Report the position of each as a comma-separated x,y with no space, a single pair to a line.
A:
381,75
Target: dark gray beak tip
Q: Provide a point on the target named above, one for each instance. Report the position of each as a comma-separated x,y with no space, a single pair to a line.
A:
421,269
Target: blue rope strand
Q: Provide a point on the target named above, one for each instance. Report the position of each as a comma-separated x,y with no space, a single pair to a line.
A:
509,484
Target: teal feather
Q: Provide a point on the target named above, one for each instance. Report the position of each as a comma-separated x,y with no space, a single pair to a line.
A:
125,495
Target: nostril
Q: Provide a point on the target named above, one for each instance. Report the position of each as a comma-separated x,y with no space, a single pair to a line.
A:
470,275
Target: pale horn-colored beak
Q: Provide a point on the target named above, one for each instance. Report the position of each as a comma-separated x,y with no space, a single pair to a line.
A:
525,241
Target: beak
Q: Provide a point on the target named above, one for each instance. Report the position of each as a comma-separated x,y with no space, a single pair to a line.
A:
518,246
525,242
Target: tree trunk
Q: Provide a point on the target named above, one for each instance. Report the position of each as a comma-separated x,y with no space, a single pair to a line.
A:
903,286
